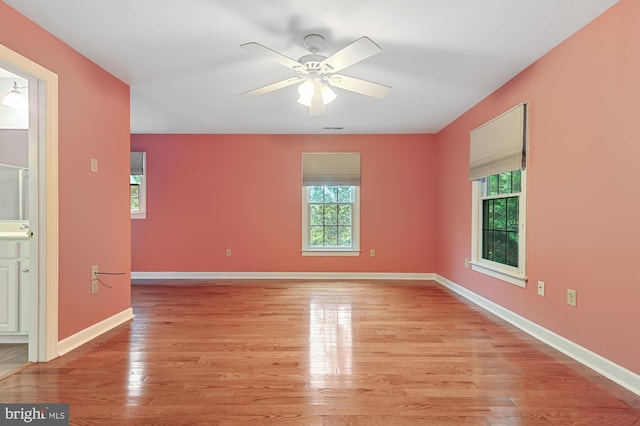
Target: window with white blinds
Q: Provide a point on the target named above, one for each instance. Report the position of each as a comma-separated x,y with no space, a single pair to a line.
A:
331,204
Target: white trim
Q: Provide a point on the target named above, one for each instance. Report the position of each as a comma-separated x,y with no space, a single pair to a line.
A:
70,343
499,274
280,276
620,375
14,338
138,215
331,252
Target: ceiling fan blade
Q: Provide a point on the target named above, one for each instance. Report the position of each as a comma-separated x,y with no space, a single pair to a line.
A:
274,86
357,51
317,103
274,56
357,85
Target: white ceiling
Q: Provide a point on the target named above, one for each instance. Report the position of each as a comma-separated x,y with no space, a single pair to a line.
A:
7,74
183,61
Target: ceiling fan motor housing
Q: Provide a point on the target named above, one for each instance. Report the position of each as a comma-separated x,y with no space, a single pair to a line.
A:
312,63
313,43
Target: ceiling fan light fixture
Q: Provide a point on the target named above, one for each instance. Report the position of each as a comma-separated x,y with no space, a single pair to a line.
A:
307,89
14,99
315,73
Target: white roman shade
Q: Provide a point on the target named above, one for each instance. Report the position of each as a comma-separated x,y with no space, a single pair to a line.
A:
137,163
500,145
330,168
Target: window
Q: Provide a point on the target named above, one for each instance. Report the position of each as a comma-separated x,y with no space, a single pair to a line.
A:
137,186
331,204
330,221
497,163
498,234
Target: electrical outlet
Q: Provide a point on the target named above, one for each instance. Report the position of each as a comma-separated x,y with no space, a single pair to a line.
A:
572,297
94,279
94,165
94,272
372,252
466,262
540,288
228,252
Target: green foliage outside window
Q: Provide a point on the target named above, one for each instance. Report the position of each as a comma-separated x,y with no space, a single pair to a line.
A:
134,186
501,218
330,216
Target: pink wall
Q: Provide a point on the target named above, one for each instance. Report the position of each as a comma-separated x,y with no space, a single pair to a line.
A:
206,193
583,203
582,215
94,223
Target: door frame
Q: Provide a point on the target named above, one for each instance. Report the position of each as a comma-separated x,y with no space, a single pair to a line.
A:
43,157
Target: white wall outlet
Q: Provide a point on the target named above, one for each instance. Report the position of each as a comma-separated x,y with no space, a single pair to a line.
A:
540,288
466,262
228,252
572,297
372,252
94,286
94,165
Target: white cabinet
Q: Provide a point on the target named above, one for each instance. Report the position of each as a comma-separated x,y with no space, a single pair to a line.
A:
14,286
24,289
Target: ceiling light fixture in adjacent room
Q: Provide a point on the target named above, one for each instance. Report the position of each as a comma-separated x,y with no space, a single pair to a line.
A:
14,99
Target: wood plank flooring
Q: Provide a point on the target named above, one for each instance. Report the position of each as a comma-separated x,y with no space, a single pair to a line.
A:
318,353
13,357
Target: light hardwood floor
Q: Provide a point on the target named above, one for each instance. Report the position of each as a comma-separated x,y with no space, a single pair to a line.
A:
318,353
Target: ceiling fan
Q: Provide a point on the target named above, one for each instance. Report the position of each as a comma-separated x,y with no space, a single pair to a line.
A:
316,72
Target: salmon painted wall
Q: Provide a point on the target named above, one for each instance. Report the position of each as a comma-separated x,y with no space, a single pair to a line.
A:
583,202
206,193
94,224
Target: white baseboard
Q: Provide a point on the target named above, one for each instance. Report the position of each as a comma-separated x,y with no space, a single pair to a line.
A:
70,343
14,338
280,276
620,375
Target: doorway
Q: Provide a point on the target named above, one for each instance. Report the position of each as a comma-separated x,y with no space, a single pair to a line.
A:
42,203
15,286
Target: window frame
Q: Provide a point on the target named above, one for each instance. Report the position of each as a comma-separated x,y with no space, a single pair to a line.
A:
354,250
514,275
141,213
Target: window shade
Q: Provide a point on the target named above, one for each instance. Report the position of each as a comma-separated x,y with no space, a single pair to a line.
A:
331,168
499,145
137,163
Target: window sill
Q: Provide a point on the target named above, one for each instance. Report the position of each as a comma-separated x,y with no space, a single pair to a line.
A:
331,252
510,277
138,215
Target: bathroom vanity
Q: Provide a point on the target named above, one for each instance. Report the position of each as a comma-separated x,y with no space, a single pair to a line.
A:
14,280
